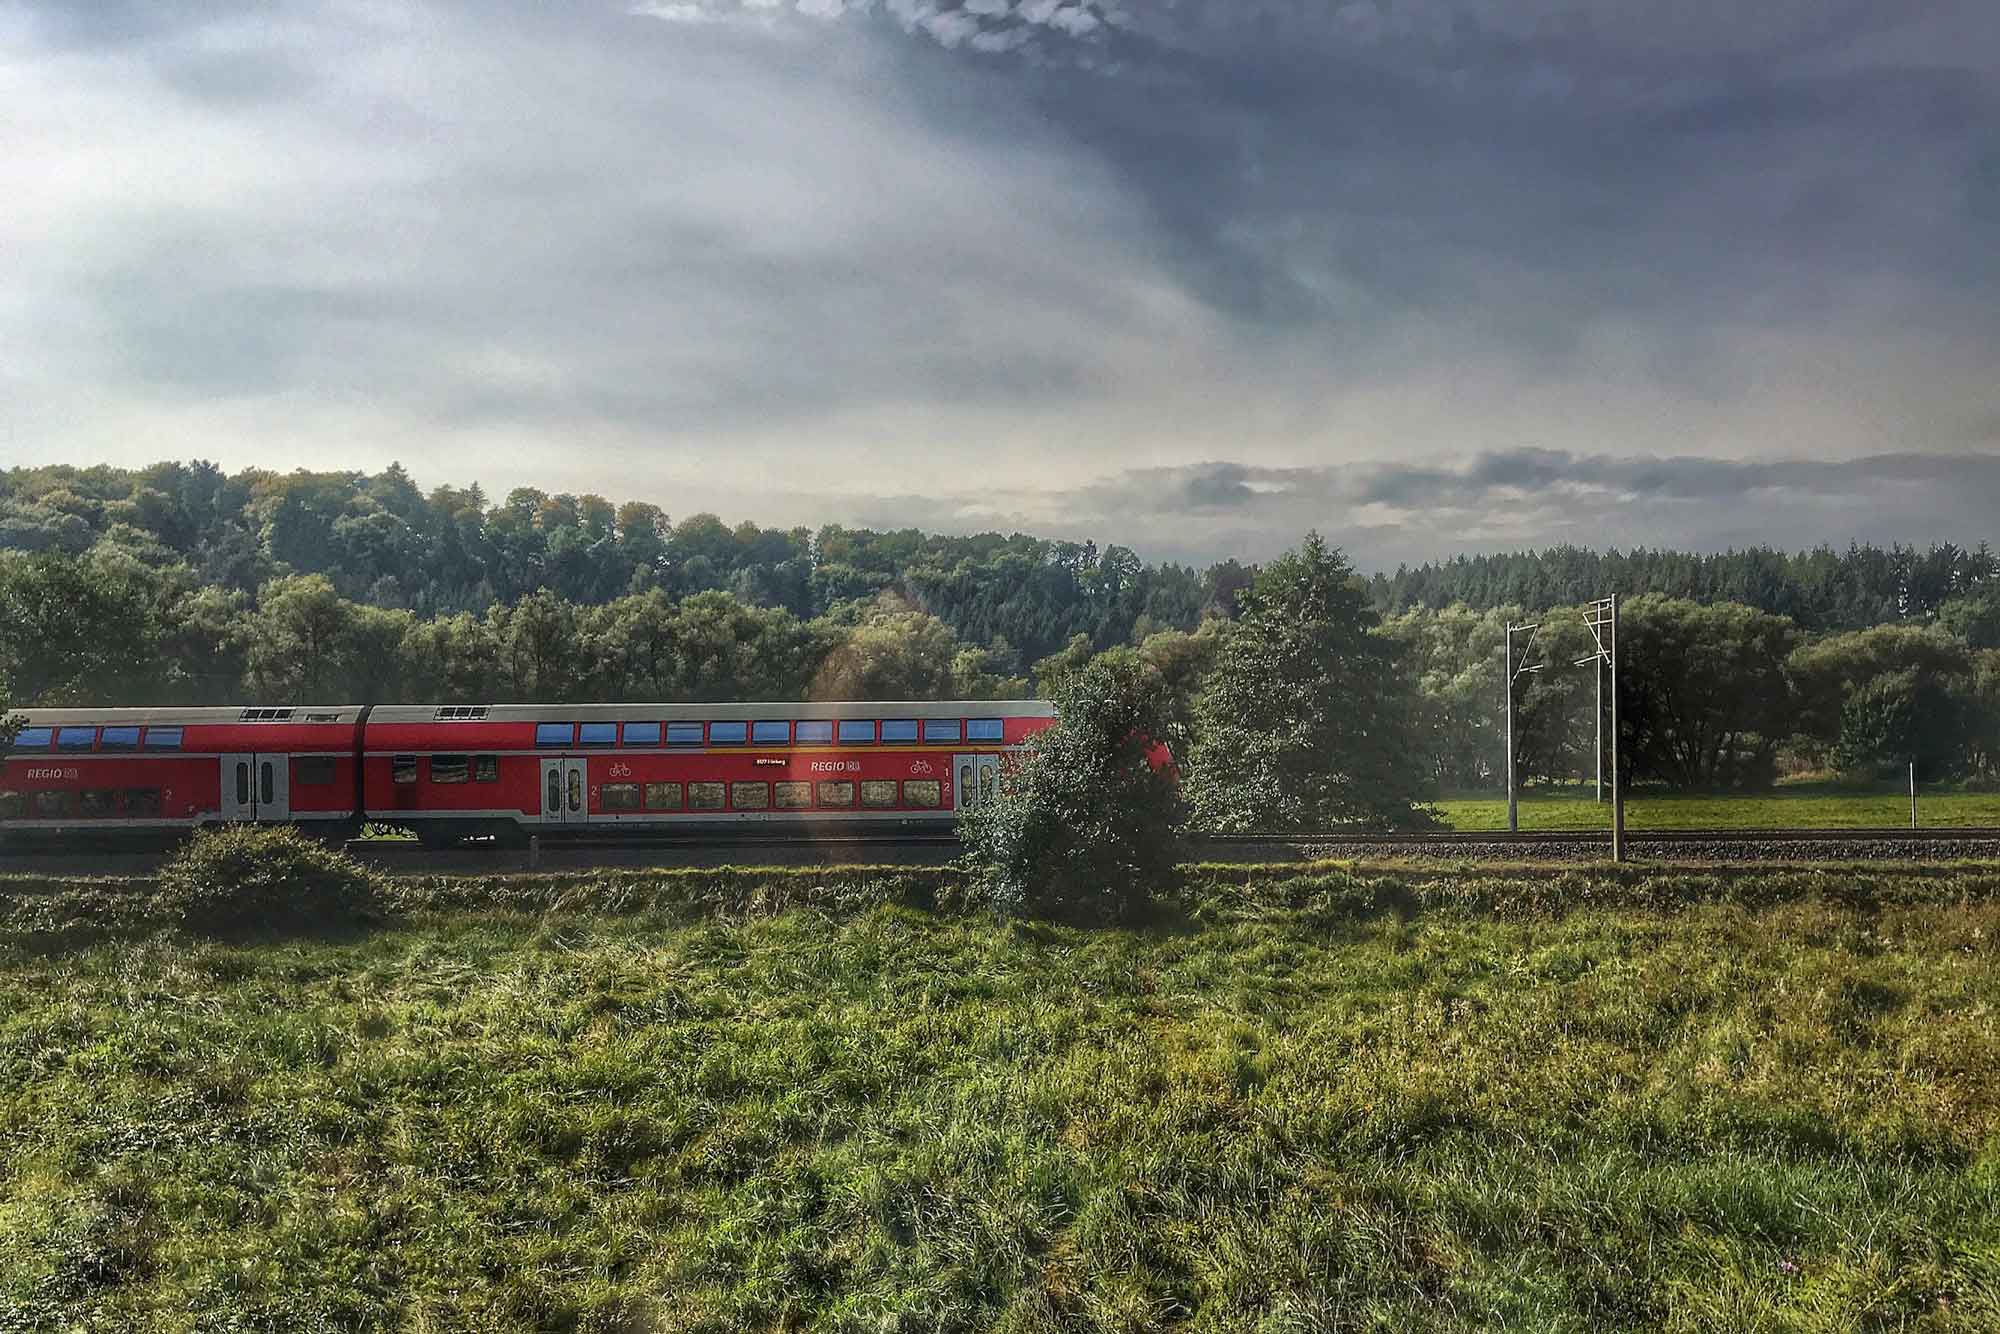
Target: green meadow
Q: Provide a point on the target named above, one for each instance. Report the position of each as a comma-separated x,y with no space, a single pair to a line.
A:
1311,1100
1787,806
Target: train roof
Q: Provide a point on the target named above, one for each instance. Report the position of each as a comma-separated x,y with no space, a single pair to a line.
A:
175,716
836,709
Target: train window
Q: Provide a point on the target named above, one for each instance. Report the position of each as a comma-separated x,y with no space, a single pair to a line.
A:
119,738
554,734
11,805
451,768
34,738
704,796
771,733
55,805
813,731
163,738
597,734
141,802
878,792
985,729
642,734
898,729
727,734
402,768
683,734
266,783
485,768
663,796
99,801
927,792
75,738
618,796
942,729
317,770
857,731
791,796
836,792
749,796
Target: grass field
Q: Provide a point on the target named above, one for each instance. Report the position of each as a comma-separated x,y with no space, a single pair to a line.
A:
1807,806
1324,1102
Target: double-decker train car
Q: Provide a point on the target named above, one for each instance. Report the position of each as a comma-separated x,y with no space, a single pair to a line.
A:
449,772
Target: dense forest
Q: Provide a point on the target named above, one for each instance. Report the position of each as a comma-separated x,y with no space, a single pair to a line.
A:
177,583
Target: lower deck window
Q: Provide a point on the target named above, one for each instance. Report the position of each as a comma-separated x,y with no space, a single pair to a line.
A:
55,805
749,796
312,770
663,796
878,792
836,792
451,768
12,804
704,796
619,796
403,769
485,768
926,792
791,796
142,801
99,801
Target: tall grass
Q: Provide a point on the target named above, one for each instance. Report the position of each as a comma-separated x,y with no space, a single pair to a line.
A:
1321,1101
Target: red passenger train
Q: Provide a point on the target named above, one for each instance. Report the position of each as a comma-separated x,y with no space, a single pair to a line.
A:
447,772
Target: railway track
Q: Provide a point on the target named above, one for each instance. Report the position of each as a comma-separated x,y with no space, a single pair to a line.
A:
929,849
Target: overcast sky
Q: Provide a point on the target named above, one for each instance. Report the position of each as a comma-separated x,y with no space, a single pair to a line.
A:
1193,275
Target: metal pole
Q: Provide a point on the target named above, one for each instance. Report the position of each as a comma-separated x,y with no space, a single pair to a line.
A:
1913,794
1507,684
1598,719
1617,782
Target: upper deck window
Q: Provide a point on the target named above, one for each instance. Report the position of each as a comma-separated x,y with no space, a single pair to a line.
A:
597,734
119,738
771,733
34,738
985,729
898,729
554,734
163,738
76,738
813,731
727,734
857,731
642,734
683,734
942,729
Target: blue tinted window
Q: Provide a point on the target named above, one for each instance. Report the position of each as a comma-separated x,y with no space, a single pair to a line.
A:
120,738
985,729
33,738
771,733
683,734
597,734
642,734
857,731
727,734
163,738
899,729
941,729
811,732
554,734
75,738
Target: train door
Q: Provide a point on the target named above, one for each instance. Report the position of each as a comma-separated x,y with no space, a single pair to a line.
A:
256,787
976,780
563,796
274,787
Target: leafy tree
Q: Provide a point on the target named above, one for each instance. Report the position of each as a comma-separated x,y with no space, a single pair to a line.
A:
1084,824
1308,717
10,724
1974,616
1704,697
1902,717
301,641
1924,675
73,631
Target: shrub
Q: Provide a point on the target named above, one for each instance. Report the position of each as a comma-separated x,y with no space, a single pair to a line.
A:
1085,826
246,879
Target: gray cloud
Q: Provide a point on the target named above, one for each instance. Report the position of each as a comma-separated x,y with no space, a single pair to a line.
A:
1429,273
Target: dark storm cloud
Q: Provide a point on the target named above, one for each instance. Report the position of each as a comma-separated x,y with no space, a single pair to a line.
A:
1427,273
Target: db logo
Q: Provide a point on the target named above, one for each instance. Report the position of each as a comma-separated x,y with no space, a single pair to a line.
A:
621,771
